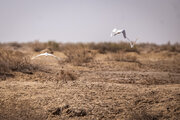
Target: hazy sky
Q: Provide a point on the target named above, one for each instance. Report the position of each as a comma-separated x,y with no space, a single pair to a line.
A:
156,21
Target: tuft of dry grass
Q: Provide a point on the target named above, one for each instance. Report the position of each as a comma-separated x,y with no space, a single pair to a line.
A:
53,45
79,56
67,76
15,61
38,46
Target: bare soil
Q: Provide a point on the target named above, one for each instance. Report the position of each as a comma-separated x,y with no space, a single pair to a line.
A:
102,89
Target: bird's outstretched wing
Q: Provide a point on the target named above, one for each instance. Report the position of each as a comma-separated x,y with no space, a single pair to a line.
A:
46,54
124,33
115,32
37,56
54,56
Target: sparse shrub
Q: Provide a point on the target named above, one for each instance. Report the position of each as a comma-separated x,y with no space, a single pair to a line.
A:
15,61
53,45
37,46
68,46
147,47
3,66
109,47
169,47
176,47
79,56
15,45
151,47
112,47
67,76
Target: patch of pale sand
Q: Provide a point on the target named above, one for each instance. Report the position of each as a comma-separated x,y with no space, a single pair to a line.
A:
60,55
100,56
45,60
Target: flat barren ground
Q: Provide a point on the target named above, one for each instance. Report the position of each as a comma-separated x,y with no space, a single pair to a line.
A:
109,86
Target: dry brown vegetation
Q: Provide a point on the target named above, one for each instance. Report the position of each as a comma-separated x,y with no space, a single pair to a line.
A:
66,76
100,81
106,47
121,56
79,56
15,61
37,46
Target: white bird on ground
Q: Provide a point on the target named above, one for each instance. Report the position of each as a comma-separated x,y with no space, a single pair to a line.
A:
46,54
116,32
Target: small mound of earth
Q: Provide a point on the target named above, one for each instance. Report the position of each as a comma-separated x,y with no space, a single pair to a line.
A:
76,112
68,112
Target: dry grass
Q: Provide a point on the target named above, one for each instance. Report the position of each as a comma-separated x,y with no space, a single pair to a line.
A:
53,45
37,46
117,88
66,76
79,56
67,46
15,44
112,47
172,48
103,47
14,110
123,57
142,115
150,47
15,61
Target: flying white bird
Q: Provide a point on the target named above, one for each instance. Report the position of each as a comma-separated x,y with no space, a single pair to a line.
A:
46,54
116,32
